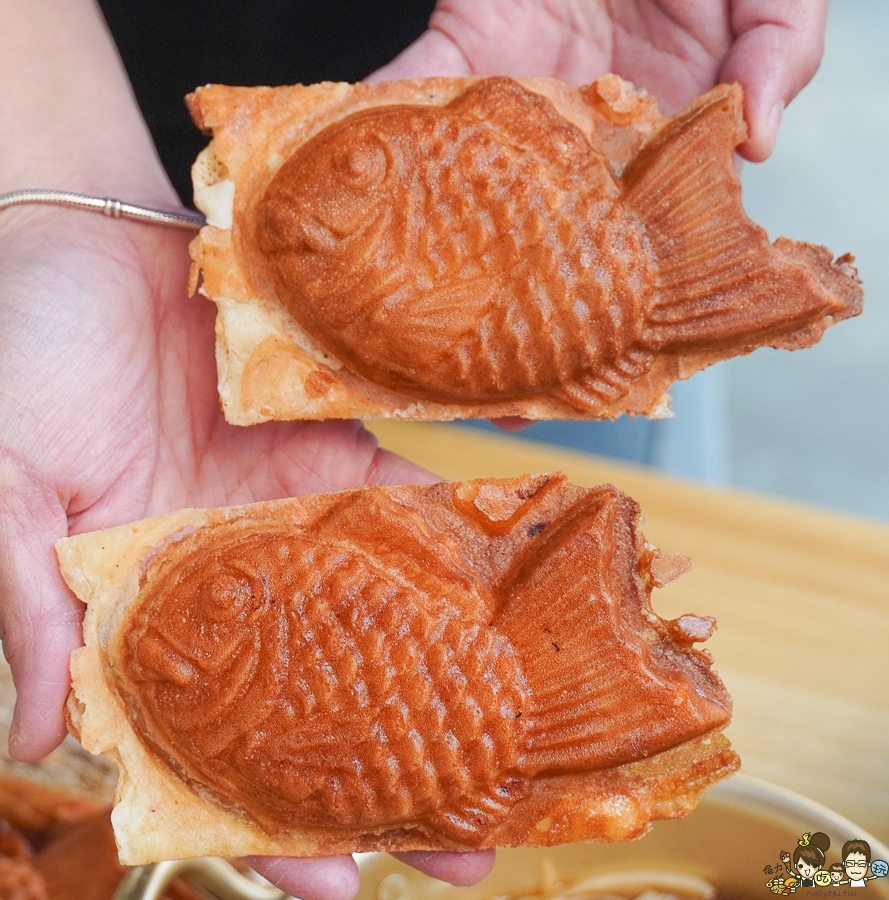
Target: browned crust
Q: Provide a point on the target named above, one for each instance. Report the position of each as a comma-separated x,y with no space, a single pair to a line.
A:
269,368
64,786
157,816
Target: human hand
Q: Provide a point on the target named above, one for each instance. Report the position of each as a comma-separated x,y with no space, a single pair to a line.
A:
110,413
675,49
108,403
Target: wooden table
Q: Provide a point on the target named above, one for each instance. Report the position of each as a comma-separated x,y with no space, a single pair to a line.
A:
801,597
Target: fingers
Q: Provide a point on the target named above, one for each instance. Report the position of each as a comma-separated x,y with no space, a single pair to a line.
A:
390,468
778,49
331,878
322,456
337,878
433,54
285,459
462,869
522,38
511,423
456,43
40,618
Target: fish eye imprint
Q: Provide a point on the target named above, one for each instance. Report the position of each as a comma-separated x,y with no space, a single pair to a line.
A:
393,668
487,247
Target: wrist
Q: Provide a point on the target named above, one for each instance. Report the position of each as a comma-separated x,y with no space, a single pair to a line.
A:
69,119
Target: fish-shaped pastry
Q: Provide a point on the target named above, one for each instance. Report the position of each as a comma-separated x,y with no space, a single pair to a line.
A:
486,247
457,666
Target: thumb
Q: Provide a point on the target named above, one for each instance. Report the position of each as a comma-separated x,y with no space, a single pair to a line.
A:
434,53
40,620
778,49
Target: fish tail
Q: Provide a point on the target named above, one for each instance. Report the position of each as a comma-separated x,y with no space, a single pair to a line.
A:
719,280
470,821
600,390
605,675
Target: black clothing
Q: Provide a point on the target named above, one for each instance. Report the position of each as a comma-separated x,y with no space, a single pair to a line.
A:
169,47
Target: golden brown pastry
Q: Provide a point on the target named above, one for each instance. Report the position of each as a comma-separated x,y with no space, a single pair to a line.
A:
56,841
450,248
65,786
79,862
457,666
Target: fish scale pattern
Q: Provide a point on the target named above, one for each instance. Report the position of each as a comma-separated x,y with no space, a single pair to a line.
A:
344,676
561,298
397,709
505,269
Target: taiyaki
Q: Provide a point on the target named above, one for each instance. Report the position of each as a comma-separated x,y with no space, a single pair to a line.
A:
486,247
458,666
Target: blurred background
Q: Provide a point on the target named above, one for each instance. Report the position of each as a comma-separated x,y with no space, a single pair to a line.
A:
812,425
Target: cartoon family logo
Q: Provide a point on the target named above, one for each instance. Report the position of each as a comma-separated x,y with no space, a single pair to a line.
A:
807,867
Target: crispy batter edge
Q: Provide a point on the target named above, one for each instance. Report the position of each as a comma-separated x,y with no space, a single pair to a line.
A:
267,361
157,817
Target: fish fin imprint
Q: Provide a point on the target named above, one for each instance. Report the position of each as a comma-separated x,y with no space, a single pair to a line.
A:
429,556
720,283
539,128
469,822
599,391
451,309
493,524
609,681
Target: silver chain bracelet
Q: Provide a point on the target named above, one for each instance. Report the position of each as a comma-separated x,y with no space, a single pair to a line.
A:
105,205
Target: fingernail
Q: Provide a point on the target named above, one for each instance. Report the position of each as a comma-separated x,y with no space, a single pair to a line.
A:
14,735
775,115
